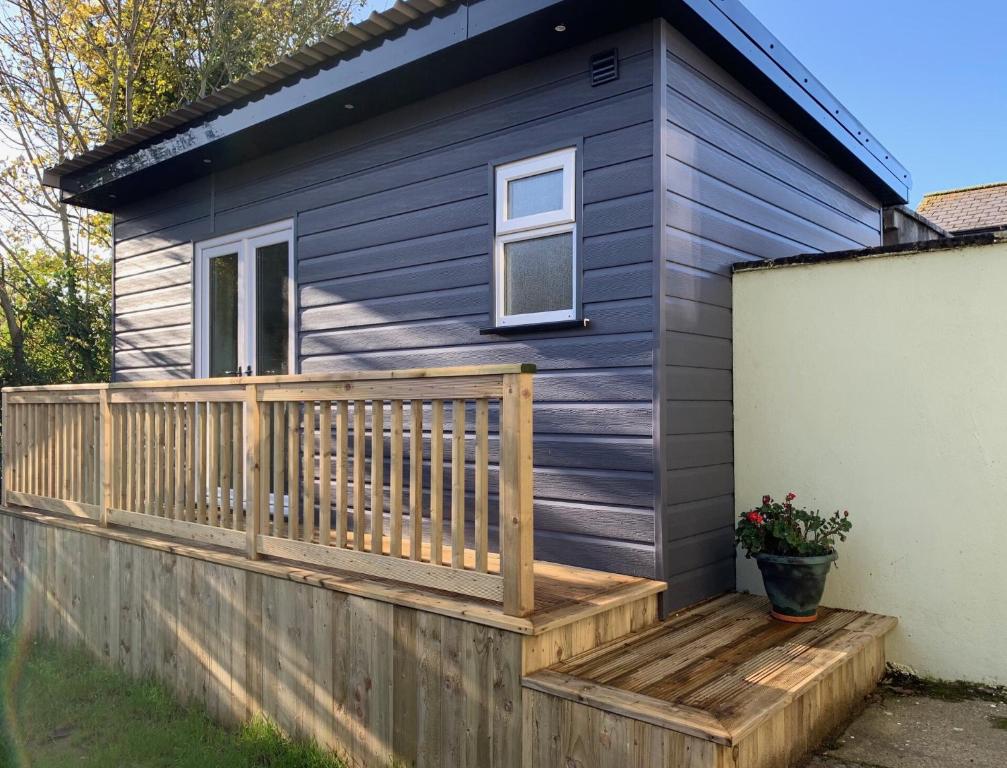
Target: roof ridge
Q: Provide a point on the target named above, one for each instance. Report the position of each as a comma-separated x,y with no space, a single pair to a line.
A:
988,185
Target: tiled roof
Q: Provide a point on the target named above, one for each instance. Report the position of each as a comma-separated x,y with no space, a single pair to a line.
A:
967,209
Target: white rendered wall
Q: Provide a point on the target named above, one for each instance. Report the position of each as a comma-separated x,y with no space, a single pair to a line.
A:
880,386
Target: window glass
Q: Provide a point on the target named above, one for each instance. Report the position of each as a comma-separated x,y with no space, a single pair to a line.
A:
223,300
535,251
535,194
272,316
538,274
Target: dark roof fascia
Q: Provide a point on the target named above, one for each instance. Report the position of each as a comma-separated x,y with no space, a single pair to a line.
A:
451,46
924,246
738,41
459,43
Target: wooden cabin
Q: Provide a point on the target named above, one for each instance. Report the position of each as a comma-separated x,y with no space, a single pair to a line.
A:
422,392
563,184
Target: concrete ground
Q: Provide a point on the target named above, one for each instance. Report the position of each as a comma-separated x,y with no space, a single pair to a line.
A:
923,726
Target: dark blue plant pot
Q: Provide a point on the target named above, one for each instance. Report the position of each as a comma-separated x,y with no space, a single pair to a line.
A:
795,585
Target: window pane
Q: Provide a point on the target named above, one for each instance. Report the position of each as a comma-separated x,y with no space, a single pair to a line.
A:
224,315
538,274
535,194
272,312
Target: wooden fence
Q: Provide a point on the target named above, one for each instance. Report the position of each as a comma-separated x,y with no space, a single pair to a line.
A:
386,474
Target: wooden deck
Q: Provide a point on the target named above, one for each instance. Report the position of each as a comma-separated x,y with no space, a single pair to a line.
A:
720,684
590,678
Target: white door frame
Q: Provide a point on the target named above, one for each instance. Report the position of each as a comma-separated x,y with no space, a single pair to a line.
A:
244,244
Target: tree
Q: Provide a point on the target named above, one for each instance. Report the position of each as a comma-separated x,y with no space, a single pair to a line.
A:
73,73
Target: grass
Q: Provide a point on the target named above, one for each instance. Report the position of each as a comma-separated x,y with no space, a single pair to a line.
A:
60,708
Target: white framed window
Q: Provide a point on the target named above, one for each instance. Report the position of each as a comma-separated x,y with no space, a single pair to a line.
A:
244,303
535,244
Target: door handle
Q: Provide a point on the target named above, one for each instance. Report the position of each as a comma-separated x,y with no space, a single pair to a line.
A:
248,370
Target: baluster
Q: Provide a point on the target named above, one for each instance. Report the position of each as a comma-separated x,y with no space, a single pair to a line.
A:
129,502
170,470
293,473
159,445
178,512
359,464
279,462
58,433
237,466
191,461
416,479
458,484
308,532
149,496
226,449
254,449
377,475
395,482
482,486
213,462
324,472
437,482
201,462
265,453
342,471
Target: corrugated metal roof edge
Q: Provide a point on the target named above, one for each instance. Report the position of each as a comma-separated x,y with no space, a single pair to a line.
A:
324,52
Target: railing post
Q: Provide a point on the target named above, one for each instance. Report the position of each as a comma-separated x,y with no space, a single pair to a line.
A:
253,488
517,547
105,455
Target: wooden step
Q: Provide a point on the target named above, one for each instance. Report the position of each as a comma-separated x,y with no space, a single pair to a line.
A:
722,678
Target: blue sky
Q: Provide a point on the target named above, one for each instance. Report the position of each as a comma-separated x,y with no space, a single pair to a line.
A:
927,77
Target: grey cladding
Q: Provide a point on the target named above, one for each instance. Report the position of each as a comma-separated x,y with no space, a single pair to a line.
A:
393,233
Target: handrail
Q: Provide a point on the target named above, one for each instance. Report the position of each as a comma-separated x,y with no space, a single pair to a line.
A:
383,473
404,373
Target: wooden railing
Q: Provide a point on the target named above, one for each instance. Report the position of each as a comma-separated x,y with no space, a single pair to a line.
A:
385,474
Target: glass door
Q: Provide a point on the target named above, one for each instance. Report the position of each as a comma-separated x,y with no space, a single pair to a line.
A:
244,313
223,340
244,304
270,325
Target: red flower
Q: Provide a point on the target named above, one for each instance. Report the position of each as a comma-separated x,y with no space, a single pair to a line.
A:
791,496
755,517
767,499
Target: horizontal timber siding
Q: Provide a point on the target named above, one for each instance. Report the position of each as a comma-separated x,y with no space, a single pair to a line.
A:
393,225
739,184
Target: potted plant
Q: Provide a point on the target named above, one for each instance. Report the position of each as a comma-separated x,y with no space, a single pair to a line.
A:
795,548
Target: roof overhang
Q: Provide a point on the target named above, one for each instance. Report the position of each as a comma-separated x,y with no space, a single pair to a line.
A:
442,48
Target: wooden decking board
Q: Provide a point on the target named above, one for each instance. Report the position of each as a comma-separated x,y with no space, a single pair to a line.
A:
701,672
603,664
725,695
674,716
719,669
710,652
792,681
